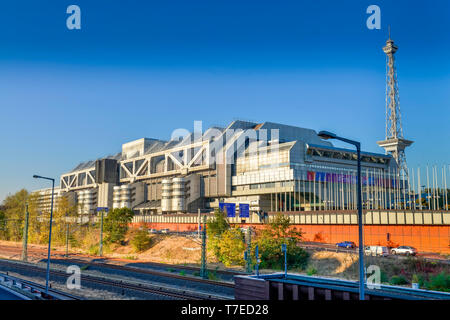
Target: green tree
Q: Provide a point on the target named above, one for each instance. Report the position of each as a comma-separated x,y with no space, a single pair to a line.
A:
64,214
141,241
14,214
231,247
218,224
270,240
215,228
115,225
2,225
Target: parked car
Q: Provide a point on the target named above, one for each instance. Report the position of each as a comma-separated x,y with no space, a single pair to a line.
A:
405,250
346,244
152,231
164,230
376,251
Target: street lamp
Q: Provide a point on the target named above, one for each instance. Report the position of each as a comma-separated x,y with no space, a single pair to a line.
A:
50,231
328,135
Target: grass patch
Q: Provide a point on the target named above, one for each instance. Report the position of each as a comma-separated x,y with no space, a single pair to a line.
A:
213,276
439,282
398,280
311,271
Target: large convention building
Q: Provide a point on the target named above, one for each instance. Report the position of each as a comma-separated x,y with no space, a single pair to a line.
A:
269,166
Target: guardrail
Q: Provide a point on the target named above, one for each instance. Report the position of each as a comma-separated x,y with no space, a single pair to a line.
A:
298,287
31,290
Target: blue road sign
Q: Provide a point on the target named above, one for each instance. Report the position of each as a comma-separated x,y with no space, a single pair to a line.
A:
244,210
106,209
229,208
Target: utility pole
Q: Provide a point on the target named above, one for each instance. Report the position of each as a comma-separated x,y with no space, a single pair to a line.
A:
198,220
100,251
249,247
67,239
203,271
257,261
25,236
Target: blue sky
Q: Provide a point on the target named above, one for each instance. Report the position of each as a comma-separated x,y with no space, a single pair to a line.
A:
143,68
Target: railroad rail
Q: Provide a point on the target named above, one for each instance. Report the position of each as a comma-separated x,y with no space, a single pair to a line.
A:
298,287
158,273
43,253
33,291
171,292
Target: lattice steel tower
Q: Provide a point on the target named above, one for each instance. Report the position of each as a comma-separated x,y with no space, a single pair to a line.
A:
394,143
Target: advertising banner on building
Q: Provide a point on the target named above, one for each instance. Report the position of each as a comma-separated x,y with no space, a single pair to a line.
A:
369,180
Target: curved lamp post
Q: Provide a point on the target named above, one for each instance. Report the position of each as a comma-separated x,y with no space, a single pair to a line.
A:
328,135
50,231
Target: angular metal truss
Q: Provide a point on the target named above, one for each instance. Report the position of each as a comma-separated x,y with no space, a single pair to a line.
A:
78,179
179,160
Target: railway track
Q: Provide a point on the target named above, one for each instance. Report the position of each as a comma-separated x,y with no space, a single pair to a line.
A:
33,290
124,285
16,251
156,273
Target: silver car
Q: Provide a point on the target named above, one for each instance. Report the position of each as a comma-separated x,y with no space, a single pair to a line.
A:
405,250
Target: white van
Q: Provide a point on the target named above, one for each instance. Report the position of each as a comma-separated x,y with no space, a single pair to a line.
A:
376,251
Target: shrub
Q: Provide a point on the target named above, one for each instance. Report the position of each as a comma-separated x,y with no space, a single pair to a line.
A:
215,228
439,282
311,271
141,241
212,275
116,223
231,247
383,277
270,242
398,280
94,249
217,225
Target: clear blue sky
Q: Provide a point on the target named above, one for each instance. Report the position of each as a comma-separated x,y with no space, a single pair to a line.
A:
143,68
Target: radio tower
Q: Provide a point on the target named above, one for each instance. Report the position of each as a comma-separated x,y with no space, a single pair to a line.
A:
394,143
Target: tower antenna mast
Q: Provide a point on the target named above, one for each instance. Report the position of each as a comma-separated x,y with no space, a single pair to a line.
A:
394,142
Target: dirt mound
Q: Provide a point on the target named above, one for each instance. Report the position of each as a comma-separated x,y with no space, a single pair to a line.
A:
174,250
333,263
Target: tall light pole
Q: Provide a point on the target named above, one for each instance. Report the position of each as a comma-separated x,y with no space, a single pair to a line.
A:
329,135
50,231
